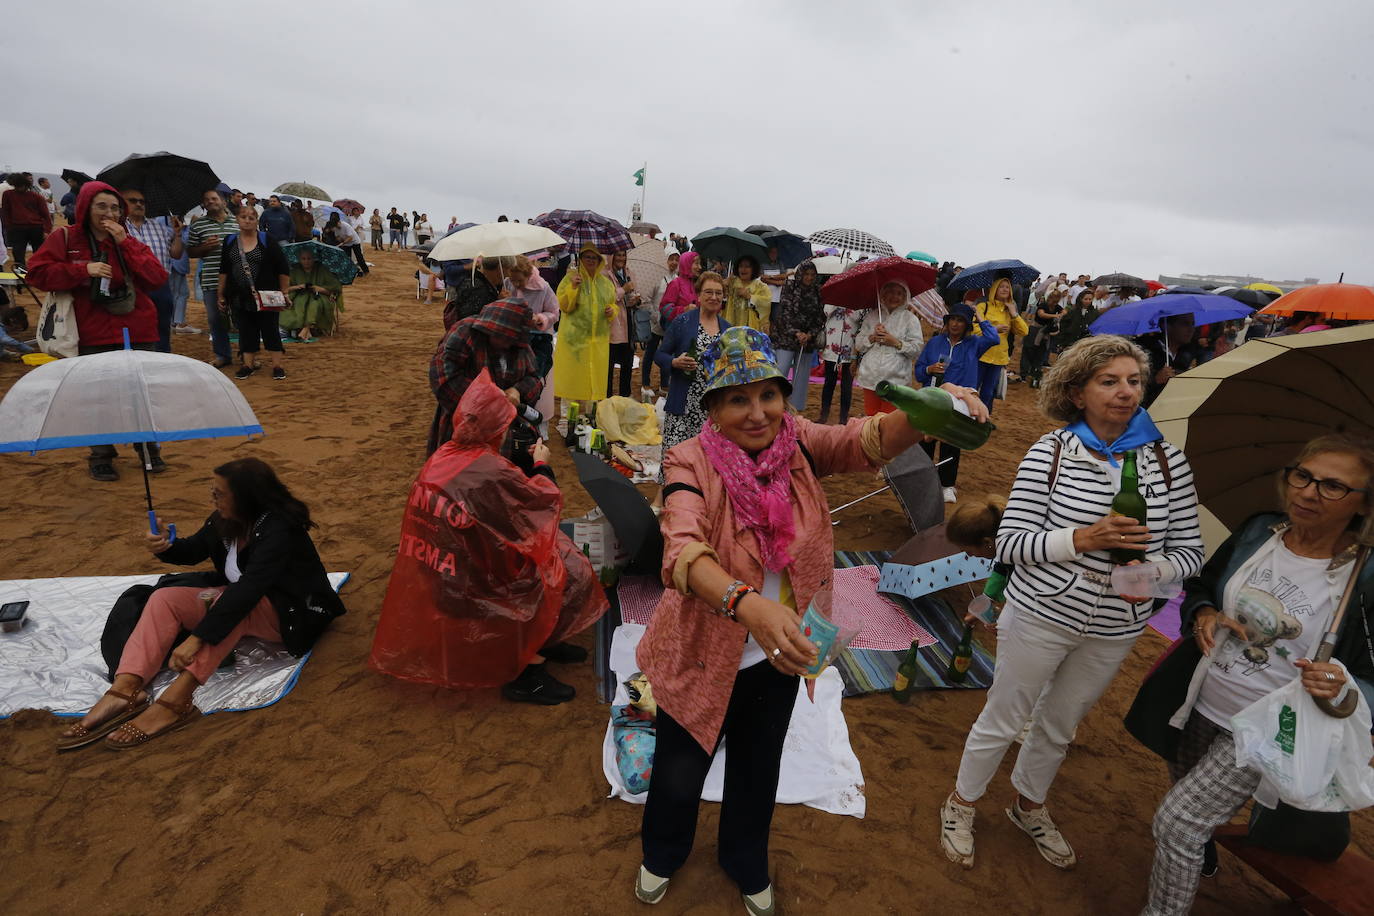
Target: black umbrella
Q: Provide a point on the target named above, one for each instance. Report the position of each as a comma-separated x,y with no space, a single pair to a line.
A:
170,183
626,509
74,175
1255,298
913,478
760,229
1122,280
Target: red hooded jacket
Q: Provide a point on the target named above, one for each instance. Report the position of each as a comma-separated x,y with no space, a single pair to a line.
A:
60,264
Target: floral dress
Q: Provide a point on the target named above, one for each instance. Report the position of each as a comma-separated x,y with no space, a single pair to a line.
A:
681,427
841,327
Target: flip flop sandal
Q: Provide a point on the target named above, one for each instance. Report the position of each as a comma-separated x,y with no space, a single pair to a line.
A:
130,735
83,735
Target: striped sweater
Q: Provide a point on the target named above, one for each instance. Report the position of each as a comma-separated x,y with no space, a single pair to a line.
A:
1073,590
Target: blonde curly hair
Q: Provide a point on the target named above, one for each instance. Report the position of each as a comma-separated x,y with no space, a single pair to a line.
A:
1076,366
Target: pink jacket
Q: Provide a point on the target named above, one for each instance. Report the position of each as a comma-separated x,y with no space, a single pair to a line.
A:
690,653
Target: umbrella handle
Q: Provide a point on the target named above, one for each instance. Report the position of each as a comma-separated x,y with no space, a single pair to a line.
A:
152,527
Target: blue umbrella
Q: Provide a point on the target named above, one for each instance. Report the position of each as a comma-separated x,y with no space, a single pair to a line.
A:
792,248
1147,315
981,276
335,260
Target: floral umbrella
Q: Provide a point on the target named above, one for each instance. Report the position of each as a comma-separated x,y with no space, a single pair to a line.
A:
303,189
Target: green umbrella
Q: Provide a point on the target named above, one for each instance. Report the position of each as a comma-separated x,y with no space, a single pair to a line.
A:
303,189
336,260
728,244
922,256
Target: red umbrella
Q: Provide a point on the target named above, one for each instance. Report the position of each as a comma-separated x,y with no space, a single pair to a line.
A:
348,205
857,287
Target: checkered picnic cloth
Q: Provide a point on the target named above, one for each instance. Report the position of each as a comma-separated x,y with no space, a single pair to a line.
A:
886,625
583,227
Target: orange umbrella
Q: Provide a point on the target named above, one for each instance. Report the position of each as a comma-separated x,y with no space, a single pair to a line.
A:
1347,301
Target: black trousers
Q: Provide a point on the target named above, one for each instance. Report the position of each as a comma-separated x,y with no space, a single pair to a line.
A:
22,237
845,373
357,250
260,326
949,472
755,727
162,299
646,366
623,355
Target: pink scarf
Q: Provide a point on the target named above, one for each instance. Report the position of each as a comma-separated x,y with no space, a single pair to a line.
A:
760,489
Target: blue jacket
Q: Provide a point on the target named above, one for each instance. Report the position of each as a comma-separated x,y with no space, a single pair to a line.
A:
677,340
278,225
961,360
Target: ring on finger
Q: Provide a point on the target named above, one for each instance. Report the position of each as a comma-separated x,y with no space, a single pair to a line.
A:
1329,676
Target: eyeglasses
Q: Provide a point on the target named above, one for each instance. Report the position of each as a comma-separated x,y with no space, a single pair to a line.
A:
1327,488
105,208
711,294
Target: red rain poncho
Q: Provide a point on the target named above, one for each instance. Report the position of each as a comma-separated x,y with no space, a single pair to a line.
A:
483,578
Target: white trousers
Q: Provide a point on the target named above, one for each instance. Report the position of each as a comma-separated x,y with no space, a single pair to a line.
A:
1045,672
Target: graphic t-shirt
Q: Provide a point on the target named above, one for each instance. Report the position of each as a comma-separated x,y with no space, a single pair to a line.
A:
1285,606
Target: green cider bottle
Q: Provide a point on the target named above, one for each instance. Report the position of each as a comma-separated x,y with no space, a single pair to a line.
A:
932,411
1128,503
906,673
963,657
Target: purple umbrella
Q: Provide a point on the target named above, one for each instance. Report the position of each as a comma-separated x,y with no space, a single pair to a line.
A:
586,227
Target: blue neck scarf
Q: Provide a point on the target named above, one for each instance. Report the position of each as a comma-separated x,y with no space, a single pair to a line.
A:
1140,431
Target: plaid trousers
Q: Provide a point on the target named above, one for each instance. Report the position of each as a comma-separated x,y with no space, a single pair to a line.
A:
1208,791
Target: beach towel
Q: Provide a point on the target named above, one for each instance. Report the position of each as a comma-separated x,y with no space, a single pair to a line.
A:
54,662
819,767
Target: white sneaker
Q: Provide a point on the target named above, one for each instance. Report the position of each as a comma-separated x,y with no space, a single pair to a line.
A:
950,495
649,887
647,395
956,831
186,329
760,904
1051,843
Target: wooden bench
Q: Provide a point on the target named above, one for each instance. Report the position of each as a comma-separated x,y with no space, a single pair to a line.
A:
1344,887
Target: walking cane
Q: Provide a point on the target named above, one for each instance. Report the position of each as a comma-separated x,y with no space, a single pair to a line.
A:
1328,644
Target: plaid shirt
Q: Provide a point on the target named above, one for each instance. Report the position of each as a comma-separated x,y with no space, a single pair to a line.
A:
157,235
466,351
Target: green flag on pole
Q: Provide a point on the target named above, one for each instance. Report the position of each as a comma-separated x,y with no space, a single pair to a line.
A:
639,177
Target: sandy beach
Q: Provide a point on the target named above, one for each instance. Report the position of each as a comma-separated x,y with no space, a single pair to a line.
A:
362,794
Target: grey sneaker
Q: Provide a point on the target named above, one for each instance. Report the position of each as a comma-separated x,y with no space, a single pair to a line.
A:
1051,843
649,887
760,904
956,831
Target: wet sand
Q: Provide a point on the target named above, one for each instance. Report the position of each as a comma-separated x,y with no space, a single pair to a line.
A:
361,794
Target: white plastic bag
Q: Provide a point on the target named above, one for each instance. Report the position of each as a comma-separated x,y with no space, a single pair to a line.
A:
1310,760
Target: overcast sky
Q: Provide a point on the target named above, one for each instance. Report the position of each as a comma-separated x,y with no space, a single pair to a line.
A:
1207,137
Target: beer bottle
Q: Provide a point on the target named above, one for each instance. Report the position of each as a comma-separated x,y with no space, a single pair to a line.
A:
933,412
961,659
906,673
1128,503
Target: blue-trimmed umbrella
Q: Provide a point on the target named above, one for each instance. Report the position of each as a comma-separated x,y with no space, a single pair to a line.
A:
981,276
1146,316
335,260
587,227
728,244
122,396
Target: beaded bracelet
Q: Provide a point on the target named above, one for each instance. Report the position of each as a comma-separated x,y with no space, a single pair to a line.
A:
726,609
737,598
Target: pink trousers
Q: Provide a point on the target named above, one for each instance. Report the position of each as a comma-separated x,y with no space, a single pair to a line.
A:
170,610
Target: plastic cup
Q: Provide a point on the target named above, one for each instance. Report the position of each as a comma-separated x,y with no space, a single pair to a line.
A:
1146,580
984,609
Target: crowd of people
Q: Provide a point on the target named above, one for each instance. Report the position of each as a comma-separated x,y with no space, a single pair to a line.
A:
476,600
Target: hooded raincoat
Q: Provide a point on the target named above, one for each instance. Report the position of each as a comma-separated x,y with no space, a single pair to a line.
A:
60,264
473,595
1000,315
581,355
681,293
879,362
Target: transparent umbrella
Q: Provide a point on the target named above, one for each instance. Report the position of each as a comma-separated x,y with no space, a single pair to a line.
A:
122,397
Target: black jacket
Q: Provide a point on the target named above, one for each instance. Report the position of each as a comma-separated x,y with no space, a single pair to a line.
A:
279,562
1186,358
270,271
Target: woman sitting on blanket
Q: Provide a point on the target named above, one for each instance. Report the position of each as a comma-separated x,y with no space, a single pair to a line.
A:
275,589
747,545
315,296
1283,575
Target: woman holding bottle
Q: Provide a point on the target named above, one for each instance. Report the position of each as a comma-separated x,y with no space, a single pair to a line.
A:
1062,624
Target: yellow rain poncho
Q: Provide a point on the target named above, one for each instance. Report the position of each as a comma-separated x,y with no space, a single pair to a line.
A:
748,304
1000,315
581,356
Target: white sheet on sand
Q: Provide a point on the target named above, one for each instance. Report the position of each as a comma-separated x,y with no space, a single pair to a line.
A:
819,767
54,661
